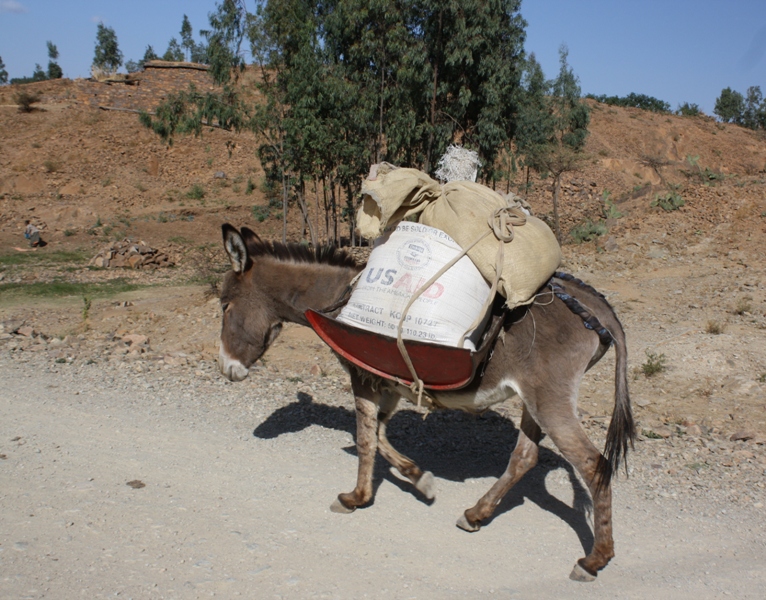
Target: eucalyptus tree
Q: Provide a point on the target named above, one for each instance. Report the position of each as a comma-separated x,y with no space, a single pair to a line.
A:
107,55
54,70
567,130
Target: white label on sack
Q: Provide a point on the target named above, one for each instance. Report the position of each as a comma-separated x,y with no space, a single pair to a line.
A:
399,265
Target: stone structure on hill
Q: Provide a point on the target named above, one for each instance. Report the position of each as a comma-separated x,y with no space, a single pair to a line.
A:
143,90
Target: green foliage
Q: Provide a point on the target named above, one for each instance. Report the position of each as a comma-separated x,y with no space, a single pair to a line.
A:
669,201
3,72
38,75
228,28
38,258
250,186
588,231
54,70
634,100
688,110
730,106
197,192
174,53
610,208
186,36
58,288
86,304
107,55
754,115
655,363
188,111
261,213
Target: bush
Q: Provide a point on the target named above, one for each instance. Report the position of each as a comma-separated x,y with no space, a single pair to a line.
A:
688,110
25,100
588,231
197,192
261,213
634,100
669,202
655,363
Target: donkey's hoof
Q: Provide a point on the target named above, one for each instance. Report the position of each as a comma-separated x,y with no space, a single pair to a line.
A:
340,508
466,525
580,574
426,486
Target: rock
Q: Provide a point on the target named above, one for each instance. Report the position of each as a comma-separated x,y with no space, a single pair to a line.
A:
135,261
135,339
611,244
26,331
694,429
742,436
219,175
315,370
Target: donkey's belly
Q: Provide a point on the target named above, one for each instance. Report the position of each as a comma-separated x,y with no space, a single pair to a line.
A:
469,400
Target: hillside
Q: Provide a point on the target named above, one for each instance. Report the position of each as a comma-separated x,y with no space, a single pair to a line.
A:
91,176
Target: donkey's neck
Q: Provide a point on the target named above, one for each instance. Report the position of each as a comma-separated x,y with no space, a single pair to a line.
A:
295,287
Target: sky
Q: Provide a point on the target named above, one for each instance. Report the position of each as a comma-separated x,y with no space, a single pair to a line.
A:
675,50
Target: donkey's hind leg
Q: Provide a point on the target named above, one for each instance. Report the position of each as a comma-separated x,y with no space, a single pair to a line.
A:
574,444
523,458
423,480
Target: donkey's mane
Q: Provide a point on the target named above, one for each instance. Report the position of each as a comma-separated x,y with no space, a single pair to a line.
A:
303,253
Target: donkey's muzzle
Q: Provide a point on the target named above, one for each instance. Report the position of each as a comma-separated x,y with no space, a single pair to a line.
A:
231,368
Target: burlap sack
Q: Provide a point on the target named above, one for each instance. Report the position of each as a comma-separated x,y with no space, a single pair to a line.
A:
530,258
462,209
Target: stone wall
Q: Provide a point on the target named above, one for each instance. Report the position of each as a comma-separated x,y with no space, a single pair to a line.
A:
143,90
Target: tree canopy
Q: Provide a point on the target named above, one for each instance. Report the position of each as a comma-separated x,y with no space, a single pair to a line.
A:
107,56
347,83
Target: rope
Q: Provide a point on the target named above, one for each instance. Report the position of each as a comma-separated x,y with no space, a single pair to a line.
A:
500,224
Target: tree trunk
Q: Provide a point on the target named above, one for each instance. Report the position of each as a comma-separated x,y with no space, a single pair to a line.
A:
316,203
326,209
305,212
284,207
556,188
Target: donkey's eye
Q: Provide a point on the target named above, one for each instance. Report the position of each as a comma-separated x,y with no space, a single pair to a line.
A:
224,306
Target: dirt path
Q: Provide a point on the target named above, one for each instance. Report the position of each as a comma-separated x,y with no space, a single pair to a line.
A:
238,480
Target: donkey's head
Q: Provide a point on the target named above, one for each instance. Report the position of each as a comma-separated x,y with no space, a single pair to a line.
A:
250,320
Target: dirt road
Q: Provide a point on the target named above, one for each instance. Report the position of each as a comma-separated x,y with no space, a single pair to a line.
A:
171,483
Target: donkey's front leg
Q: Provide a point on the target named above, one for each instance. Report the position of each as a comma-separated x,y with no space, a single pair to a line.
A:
423,480
366,447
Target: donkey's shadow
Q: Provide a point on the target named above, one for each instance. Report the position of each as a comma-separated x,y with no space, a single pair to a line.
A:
452,445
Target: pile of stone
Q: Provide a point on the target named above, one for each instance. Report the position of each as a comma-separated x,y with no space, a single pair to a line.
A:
131,255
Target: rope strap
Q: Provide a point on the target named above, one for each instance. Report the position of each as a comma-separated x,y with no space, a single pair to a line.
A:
500,224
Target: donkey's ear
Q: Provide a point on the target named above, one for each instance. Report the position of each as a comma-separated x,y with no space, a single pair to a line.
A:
235,248
249,235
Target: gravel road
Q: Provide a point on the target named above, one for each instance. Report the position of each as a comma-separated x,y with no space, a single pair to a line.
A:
140,479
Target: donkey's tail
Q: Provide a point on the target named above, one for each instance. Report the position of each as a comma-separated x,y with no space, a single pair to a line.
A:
600,317
622,429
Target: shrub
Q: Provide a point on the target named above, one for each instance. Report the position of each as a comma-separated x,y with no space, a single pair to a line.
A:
250,187
714,327
669,202
261,213
688,110
655,363
25,100
197,192
588,231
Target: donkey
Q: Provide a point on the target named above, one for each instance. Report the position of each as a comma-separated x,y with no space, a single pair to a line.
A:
542,353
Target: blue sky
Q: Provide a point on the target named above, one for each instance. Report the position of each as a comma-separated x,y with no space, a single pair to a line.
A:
676,50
